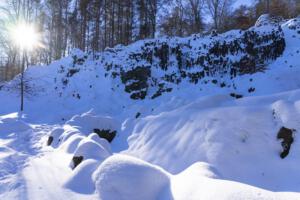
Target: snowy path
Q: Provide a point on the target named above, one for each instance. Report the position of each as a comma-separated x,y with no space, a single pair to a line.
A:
29,169
16,148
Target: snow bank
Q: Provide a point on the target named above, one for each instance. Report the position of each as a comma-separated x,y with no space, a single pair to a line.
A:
81,179
127,178
240,141
199,182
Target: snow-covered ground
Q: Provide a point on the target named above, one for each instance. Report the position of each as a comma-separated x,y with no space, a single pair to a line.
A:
195,142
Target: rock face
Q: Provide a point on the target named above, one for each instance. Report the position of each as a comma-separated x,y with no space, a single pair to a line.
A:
286,135
136,81
155,66
148,69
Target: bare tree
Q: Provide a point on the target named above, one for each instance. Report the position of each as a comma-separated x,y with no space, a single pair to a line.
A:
196,8
219,10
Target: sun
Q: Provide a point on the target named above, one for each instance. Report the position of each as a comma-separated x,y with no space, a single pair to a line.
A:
25,36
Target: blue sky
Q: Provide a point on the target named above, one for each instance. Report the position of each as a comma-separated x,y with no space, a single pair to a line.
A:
243,2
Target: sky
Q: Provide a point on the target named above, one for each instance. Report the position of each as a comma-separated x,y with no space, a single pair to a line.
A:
243,2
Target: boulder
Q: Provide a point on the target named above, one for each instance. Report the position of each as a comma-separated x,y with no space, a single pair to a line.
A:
108,134
286,135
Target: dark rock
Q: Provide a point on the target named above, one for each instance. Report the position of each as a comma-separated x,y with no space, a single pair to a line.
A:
71,72
50,140
286,135
161,90
237,96
136,81
77,160
65,81
137,115
138,95
109,135
251,89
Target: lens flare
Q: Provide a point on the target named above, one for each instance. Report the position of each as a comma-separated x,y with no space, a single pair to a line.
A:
25,36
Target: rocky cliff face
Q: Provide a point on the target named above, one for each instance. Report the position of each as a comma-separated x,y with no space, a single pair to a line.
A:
149,68
153,67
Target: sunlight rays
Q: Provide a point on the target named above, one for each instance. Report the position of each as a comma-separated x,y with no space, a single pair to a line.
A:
25,36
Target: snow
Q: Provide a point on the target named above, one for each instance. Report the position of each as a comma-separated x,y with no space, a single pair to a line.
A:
177,139
90,149
87,122
195,142
127,178
192,184
81,180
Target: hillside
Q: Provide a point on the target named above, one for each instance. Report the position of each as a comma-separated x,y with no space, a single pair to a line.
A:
178,118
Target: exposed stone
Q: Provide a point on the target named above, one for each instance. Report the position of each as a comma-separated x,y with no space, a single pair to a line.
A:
108,134
76,161
286,135
50,140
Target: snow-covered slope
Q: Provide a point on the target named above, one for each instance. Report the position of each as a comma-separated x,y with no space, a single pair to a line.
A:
189,118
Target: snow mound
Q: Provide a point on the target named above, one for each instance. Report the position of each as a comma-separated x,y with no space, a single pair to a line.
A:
293,24
202,169
127,178
90,149
71,144
87,122
81,179
196,183
53,139
103,142
82,125
69,131
266,19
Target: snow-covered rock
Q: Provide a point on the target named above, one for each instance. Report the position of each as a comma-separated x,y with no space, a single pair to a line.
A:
89,149
71,144
87,122
68,132
104,143
53,138
127,178
266,19
81,178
